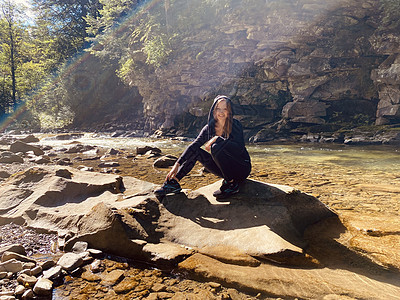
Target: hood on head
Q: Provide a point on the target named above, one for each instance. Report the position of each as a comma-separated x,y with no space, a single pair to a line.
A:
211,121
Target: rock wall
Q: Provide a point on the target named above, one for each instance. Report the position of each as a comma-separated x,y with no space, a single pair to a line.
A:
303,62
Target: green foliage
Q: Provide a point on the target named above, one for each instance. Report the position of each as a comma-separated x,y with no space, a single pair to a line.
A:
65,21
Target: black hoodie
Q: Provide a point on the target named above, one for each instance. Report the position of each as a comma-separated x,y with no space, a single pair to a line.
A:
232,146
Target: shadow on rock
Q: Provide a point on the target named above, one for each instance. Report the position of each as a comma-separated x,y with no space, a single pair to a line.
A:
261,220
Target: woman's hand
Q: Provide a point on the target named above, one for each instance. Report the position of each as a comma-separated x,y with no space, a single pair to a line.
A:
173,172
208,145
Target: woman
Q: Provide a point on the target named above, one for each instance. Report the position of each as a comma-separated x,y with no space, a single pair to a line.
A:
227,156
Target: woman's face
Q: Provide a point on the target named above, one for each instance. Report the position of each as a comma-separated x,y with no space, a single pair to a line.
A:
221,112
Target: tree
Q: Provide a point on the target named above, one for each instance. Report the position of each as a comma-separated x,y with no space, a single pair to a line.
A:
65,21
11,40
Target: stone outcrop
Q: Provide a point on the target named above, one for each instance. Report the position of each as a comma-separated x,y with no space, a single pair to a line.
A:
263,220
227,241
299,63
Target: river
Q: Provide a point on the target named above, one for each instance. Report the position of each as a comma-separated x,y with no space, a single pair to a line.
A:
383,158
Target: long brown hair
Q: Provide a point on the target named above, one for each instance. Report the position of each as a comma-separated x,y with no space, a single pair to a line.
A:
227,129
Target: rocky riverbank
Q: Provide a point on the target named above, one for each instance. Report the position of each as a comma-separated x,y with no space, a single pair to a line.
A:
367,204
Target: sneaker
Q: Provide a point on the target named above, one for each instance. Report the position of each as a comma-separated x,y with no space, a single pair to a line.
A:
170,186
227,189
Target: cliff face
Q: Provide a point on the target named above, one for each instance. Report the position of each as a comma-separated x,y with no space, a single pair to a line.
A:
284,64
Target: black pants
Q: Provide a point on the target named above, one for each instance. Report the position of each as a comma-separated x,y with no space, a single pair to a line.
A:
223,164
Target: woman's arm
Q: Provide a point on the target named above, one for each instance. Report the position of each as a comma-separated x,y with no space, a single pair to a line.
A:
172,173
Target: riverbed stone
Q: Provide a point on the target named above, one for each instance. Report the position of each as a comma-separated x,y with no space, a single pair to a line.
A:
28,294
52,273
29,265
47,264
79,247
4,174
16,248
126,285
30,139
12,265
145,149
112,277
36,270
7,157
27,280
108,164
11,255
19,146
165,253
70,261
19,290
165,161
43,287
89,276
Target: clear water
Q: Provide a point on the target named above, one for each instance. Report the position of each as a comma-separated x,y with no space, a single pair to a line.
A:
378,158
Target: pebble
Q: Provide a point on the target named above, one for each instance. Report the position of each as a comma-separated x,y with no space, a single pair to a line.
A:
19,290
79,247
43,287
27,280
28,294
36,270
52,273
126,285
89,276
47,264
70,261
96,266
113,277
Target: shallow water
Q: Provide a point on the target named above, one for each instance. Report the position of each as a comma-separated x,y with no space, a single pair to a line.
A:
363,158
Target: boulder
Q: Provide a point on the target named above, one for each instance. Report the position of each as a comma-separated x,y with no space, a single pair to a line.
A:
44,200
78,148
263,220
291,283
4,174
19,146
7,157
30,139
165,161
16,248
145,149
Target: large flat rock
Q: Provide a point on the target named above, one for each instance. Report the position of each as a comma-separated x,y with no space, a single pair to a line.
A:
294,283
112,213
262,220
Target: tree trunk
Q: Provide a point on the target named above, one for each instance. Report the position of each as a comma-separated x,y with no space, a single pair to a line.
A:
12,60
